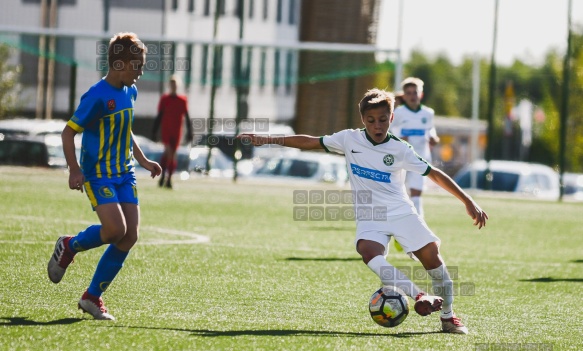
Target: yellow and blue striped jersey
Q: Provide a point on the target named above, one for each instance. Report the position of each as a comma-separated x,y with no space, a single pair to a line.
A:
105,116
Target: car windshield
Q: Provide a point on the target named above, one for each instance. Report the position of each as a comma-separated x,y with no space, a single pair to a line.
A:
501,181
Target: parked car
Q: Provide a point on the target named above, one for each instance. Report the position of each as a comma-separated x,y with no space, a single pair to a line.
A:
221,165
25,126
40,130
305,166
23,150
573,186
525,179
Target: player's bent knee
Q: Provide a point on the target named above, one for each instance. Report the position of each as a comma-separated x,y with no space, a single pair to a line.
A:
369,250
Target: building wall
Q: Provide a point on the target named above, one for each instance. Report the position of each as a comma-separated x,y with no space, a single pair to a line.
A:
264,100
331,104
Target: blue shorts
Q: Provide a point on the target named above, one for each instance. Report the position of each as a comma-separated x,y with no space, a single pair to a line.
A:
120,189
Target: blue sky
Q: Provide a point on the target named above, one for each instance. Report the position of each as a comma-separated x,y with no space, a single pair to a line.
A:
527,29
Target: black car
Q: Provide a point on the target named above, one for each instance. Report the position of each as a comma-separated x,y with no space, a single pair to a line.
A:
23,150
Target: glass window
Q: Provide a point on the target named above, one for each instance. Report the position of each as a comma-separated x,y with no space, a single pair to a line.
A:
292,12
279,11
251,8
276,68
204,65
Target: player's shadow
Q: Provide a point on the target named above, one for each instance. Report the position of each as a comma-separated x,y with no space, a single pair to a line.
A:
323,259
20,321
552,280
280,332
577,261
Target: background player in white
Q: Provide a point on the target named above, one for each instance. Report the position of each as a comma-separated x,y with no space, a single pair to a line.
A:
383,209
414,123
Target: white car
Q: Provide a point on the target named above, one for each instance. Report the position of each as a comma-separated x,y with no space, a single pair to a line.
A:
573,186
523,178
305,166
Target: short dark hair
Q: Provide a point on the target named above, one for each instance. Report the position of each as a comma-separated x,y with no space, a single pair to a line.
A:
374,98
123,48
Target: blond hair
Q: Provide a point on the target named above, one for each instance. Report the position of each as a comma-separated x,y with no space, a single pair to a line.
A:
412,81
374,98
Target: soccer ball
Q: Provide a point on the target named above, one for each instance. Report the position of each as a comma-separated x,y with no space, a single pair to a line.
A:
388,306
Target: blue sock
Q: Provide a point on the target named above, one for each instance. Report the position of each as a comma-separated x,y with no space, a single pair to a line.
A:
88,239
107,268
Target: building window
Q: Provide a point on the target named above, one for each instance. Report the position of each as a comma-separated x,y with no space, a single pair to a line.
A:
251,8
247,70
292,12
262,63
279,10
289,61
265,9
189,62
190,5
204,65
174,5
217,66
207,7
221,7
276,69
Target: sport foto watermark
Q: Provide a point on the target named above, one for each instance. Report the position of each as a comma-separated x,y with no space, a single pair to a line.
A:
503,346
159,57
422,279
336,205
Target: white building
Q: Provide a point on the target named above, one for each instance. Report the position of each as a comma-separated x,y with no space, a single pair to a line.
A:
179,34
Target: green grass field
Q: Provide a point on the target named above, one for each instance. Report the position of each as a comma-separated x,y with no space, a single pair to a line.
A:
266,282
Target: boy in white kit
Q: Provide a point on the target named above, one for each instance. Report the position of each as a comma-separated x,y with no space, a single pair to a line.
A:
378,161
413,123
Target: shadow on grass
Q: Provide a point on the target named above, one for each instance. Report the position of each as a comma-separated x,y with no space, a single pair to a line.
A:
323,259
552,280
19,321
577,261
326,228
278,332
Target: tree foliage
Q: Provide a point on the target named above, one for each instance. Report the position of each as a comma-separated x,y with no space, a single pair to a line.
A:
448,89
9,87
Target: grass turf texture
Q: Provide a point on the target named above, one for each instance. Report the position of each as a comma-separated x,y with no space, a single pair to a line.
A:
267,282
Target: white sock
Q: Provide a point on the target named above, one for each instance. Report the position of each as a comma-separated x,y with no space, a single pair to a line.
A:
390,275
418,205
443,287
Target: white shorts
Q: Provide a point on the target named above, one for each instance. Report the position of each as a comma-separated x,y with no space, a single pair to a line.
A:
415,181
410,230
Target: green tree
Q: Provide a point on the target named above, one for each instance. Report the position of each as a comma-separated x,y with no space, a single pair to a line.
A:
9,87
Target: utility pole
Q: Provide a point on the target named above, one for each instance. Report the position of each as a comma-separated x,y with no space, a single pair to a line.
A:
214,81
491,100
51,61
565,102
242,87
40,88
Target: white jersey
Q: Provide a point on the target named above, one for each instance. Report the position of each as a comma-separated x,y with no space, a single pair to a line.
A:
376,173
416,126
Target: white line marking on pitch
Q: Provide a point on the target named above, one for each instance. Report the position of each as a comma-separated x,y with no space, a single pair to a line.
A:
193,238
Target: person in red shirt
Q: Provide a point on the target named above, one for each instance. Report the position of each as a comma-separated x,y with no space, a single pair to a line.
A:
172,111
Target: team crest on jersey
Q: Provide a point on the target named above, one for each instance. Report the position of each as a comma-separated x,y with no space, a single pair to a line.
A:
106,192
388,160
111,104
424,120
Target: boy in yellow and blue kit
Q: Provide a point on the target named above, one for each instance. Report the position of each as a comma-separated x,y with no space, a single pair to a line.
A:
106,171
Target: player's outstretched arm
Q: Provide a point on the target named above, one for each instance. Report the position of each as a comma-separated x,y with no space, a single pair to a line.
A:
472,208
304,142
